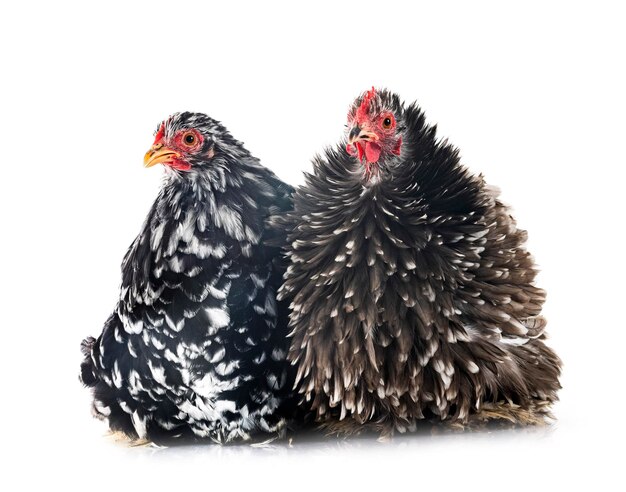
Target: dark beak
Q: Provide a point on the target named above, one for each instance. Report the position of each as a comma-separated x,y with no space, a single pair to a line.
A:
357,133
354,133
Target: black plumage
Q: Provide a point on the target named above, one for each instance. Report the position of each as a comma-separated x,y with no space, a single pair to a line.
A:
196,346
412,294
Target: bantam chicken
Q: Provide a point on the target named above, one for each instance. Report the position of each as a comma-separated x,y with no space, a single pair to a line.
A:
412,295
196,346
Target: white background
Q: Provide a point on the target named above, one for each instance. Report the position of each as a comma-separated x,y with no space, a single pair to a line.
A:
533,95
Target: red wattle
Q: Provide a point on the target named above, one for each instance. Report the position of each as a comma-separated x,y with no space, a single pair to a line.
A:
372,152
359,149
350,149
178,164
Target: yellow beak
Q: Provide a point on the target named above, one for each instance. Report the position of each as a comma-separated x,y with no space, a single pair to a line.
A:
158,154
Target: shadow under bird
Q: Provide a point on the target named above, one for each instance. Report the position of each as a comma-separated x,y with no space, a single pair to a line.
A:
412,294
196,346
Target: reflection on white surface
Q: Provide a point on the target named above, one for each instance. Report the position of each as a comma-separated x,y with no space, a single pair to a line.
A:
432,458
307,443
310,444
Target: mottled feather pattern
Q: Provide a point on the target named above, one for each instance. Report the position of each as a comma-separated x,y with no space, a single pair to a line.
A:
407,288
412,297
196,346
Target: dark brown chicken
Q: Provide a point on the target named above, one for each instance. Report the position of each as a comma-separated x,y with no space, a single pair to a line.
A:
412,294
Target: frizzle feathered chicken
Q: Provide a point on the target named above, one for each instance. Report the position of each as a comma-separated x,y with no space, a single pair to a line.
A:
411,291
196,345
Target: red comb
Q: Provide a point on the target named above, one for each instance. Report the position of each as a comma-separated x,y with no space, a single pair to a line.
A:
159,134
365,104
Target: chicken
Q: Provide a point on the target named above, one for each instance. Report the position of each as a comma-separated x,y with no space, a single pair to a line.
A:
412,294
196,346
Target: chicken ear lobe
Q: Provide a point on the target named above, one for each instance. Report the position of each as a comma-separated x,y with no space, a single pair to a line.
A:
398,147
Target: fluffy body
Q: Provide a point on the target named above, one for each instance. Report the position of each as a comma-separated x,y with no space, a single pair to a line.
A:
412,295
196,344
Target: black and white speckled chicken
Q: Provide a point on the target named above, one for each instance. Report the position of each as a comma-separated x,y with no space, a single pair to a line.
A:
412,294
196,346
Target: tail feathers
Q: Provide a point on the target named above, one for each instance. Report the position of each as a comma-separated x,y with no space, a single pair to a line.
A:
87,370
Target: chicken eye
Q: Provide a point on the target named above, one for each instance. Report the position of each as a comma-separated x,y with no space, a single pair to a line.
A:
189,138
387,122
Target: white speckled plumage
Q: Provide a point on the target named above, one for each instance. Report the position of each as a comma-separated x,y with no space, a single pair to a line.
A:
185,353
